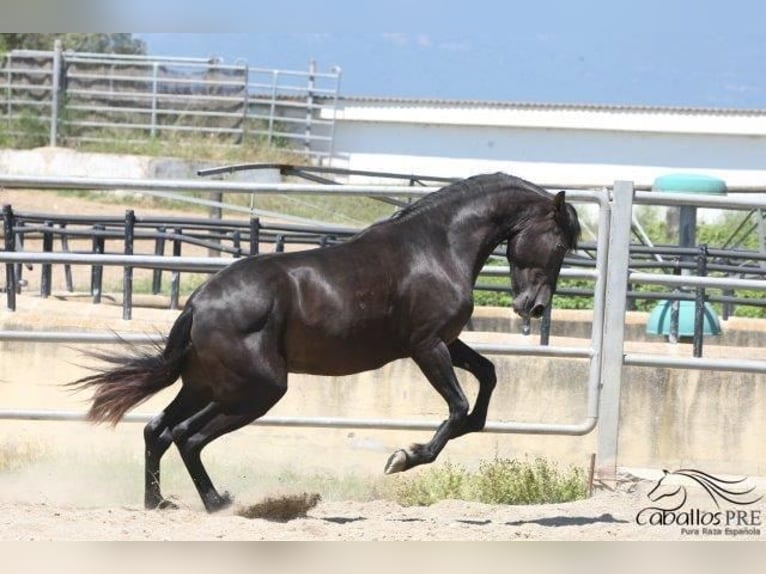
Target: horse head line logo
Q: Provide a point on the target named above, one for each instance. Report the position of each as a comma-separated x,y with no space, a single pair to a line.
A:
733,491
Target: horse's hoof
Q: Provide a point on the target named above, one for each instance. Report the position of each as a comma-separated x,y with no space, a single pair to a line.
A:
397,462
219,502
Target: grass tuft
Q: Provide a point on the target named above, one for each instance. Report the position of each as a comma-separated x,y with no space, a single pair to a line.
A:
15,455
498,481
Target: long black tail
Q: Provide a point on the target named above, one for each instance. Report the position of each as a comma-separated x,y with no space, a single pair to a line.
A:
135,376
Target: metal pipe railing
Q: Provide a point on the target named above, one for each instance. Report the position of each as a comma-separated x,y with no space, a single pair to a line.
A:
593,353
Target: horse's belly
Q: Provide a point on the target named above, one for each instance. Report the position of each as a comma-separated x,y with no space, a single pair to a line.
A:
324,354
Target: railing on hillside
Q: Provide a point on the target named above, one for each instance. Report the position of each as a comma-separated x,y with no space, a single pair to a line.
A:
71,98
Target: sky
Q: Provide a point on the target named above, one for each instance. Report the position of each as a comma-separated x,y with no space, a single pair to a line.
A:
699,53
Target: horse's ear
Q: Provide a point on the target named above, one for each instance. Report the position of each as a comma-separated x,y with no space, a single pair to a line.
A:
558,201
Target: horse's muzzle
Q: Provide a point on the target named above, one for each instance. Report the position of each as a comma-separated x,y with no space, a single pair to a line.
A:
534,313
532,307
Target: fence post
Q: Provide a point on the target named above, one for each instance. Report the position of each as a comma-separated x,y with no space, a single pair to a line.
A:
46,273
97,271
255,235
613,338
159,249
175,276
245,103
272,106
55,89
699,302
10,245
155,73
236,242
331,150
545,326
675,310
127,277
9,89
309,106
18,233
216,214
67,267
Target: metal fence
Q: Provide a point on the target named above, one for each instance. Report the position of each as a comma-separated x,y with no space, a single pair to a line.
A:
606,352
72,98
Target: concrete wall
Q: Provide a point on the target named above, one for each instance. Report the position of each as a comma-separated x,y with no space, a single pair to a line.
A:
64,162
669,418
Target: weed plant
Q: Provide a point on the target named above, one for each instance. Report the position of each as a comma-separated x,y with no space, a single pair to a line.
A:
15,455
497,481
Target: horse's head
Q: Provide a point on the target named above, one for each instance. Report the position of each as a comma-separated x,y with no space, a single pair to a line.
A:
662,490
536,252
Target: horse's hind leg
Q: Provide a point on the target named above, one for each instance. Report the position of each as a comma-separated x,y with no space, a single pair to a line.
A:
191,436
158,438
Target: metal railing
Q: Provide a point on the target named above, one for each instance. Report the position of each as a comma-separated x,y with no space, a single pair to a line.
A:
592,352
71,98
624,195
612,275
235,238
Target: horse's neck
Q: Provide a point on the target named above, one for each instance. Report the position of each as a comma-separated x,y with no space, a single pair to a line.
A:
476,227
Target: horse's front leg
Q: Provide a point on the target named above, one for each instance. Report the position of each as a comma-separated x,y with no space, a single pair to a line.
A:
464,357
436,365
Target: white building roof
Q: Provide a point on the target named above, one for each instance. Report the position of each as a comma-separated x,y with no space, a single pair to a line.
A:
655,119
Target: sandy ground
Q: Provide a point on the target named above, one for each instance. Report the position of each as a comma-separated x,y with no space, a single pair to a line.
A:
604,517
608,515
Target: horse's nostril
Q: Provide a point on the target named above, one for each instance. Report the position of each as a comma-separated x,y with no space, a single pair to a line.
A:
537,311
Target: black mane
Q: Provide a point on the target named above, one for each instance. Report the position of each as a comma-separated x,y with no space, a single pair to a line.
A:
477,184
488,183
570,225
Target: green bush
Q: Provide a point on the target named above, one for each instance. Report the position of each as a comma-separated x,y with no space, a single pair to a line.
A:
498,481
445,482
25,130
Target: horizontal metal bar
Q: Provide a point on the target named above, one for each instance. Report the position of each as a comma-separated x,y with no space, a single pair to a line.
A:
737,365
170,128
69,182
190,79
566,272
80,183
696,281
533,350
327,422
78,337
148,261
698,200
126,59
238,208
112,110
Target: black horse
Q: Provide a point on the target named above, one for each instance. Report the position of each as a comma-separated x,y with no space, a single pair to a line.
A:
400,288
